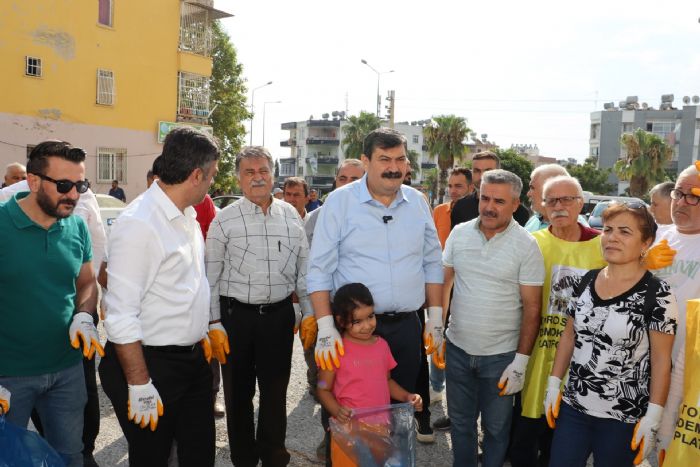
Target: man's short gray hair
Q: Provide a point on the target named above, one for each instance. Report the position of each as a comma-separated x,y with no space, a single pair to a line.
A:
662,189
500,176
253,152
352,162
689,171
562,179
549,170
15,165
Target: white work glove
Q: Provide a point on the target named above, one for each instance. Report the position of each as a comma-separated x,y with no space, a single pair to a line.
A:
644,436
4,400
433,335
552,400
513,377
83,328
328,344
144,405
297,316
218,339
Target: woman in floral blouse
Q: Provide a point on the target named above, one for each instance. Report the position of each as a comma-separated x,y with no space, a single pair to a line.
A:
617,346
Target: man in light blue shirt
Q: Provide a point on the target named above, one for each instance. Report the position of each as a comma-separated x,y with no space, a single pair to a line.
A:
379,232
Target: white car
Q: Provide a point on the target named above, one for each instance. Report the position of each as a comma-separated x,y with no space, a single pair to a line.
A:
110,208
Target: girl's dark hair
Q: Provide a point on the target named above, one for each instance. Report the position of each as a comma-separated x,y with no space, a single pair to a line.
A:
347,299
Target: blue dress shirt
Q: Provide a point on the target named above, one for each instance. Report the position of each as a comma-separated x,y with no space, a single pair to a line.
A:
393,250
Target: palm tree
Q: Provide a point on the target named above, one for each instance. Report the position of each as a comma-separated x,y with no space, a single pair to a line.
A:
645,163
413,159
444,138
355,131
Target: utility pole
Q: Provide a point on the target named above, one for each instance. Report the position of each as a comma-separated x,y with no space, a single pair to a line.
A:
392,107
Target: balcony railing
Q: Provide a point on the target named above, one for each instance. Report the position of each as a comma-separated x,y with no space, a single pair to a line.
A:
328,160
193,98
287,143
332,140
289,125
322,123
320,180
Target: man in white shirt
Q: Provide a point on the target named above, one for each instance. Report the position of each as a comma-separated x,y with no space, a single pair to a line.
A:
14,173
256,258
683,236
497,271
158,309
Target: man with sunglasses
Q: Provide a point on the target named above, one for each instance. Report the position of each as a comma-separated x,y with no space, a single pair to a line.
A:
683,275
53,299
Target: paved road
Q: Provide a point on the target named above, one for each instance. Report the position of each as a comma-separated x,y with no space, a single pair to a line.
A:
303,428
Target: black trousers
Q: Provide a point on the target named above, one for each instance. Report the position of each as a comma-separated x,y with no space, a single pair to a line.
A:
184,382
530,439
261,349
423,382
91,414
404,336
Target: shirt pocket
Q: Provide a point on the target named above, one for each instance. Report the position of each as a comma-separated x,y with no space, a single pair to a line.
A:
287,254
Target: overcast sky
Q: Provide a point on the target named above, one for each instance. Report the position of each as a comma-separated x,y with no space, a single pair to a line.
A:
521,72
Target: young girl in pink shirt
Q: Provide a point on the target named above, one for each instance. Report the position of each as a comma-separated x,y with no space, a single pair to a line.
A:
363,379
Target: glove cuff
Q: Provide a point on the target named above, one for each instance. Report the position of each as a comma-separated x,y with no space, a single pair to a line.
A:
520,361
141,386
654,412
217,327
553,383
435,313
326,322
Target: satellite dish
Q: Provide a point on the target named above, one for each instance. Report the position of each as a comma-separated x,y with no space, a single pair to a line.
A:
632,99
686,100
609,106
667,98
645,106
334,113
325,116
696,100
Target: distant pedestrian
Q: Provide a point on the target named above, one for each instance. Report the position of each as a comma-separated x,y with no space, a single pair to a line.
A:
314,202
14,173
117,192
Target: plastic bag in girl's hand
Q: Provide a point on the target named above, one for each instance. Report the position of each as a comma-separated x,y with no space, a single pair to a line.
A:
20,447
375,437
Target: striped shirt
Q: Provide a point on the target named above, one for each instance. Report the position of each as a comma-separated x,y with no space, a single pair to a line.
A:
486,308
257,258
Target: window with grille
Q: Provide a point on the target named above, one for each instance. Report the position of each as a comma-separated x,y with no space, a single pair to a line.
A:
193,98
111,165
32,66
415,139
195,29
104,12
105,87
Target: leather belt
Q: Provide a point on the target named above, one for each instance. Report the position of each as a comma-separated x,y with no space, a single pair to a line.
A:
260,308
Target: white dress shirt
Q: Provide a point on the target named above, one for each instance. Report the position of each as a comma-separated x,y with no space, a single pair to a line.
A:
158,291
87,208
257,258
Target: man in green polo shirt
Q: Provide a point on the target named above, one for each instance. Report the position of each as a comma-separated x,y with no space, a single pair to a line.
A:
51,297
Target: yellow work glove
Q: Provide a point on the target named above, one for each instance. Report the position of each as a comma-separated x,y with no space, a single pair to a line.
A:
552,400
4,400
439,357
513,377
696,191
433,334
309,331
206,348
329,344
218,338
83,328
144,405
644,436
297,316
659,256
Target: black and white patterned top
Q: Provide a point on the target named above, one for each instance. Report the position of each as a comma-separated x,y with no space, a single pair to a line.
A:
610,367
257,258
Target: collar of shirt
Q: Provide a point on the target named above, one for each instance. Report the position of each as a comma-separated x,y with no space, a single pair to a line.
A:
249,207
365,196
21,219
166,204
510,227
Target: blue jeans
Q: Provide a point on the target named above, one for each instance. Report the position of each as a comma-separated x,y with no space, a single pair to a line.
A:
60,399
577,435
437,376
472,388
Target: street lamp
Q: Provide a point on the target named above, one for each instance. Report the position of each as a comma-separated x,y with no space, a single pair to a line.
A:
379,74
264,108
252,109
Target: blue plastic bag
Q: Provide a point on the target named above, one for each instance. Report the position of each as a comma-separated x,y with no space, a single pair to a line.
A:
20,447
375,437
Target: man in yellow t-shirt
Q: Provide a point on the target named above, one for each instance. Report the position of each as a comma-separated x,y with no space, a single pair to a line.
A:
569,250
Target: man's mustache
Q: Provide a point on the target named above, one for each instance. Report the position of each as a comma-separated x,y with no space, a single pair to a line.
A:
392,175
493,214
69,202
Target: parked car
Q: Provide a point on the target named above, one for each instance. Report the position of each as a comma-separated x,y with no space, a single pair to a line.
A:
110,208
220,202
595,218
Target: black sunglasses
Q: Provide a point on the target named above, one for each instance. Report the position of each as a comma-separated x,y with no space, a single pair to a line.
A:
65,186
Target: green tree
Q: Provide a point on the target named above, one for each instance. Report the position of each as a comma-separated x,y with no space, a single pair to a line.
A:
591,177
430,179
645,162
444,138
354,133
514,162
228,100
414,160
